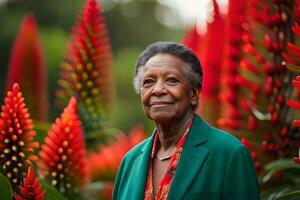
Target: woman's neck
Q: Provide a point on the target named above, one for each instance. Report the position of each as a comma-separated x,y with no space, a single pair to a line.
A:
170,133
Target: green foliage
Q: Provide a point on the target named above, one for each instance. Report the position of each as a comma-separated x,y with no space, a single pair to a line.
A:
289,174
293,68
6,191
290,196
128,108
280,166
54,42
51,192
41,129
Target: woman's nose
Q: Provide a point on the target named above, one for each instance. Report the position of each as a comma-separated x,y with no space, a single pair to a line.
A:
159,88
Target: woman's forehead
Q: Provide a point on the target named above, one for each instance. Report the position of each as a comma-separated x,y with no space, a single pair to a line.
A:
164,58
164,62
164,69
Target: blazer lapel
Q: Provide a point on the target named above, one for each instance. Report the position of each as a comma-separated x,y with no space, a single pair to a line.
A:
141,166
192,158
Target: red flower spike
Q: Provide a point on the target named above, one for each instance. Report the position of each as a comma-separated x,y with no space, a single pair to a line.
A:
296,83
31,189
63,153
293,104
289,59
293,49
249,66
251,123
103,164
26,66
236,36
296,30
16,137
86,72
206,47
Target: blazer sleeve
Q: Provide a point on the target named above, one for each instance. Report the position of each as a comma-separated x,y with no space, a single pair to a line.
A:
118,181
240,179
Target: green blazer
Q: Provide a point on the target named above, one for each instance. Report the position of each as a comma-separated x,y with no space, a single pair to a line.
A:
214,165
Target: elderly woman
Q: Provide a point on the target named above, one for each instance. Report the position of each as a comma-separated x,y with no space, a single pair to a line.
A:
184,158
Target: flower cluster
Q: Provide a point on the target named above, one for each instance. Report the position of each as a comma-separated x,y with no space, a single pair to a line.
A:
30,188
210,49
103,164
296,105
26,66
63,154
233,52
17,143
264,105
86,72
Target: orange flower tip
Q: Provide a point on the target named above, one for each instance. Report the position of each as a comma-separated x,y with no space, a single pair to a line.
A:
17,197
27,162
30,176
293,104
296,123
8,94
221,122
16,87
35,145
296,160
73,101
32,157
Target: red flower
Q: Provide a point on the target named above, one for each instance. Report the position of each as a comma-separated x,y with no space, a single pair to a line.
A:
64,150
254,155
26,66
295,104
86,73
209,48
16,137
30,189
104,163
235,34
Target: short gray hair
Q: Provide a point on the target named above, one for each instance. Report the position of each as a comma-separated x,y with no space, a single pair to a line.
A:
192,65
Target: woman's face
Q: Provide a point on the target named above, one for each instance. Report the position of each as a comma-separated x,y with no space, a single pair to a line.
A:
165,91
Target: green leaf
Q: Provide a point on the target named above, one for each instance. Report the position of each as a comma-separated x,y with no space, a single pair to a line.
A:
268,175
279,165
290,196
51,192
76,197
42,129
6,189
282,164
293,68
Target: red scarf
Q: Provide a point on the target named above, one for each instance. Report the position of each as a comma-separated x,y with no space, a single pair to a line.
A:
163,189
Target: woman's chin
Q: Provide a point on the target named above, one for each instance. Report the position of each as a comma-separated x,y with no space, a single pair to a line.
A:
161,117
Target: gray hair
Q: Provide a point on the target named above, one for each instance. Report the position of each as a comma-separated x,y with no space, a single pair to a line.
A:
192,65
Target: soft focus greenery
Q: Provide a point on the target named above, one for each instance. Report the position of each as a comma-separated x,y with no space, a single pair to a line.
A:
132,26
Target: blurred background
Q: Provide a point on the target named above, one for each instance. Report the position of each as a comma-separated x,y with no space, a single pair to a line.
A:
132,25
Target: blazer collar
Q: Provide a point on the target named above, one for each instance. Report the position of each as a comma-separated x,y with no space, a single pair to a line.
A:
192,158
141,165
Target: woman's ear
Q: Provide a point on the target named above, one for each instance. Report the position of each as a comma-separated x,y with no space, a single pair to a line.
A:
195,96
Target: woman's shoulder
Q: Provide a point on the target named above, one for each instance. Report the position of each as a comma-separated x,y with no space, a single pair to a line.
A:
137,149
224,139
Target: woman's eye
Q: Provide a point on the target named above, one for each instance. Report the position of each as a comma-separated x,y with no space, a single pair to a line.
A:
147,81
172,80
